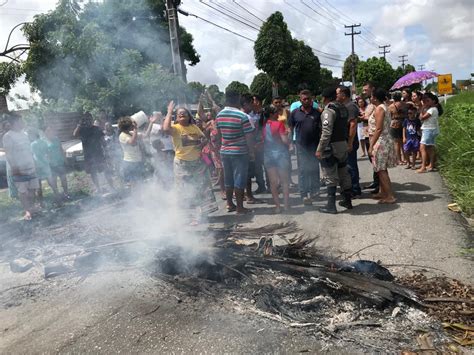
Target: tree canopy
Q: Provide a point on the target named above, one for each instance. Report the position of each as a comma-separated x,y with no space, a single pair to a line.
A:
273,46
377,70
327,80
9,73
113,55
304,69
237,86
195,90
262,86
217,95
347,69
287,61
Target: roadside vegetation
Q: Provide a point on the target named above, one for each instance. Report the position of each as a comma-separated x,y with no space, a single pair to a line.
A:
456,149
78,182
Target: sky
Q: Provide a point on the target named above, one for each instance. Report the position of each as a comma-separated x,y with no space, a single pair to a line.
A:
438,34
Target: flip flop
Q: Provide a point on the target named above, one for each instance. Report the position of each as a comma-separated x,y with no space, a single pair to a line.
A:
387,202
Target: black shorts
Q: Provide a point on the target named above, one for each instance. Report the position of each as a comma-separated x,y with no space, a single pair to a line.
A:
396,133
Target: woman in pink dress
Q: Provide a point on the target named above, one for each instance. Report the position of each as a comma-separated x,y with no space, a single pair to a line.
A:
382,147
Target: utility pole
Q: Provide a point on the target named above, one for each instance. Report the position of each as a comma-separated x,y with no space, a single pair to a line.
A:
384,50
352,34
171,10
421,67
403,60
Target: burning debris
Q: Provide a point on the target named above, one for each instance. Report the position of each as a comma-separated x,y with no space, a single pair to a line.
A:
277,273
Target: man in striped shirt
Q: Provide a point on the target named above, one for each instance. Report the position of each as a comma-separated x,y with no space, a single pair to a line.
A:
236,151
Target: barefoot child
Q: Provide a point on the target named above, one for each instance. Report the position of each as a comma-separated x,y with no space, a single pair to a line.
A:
411,140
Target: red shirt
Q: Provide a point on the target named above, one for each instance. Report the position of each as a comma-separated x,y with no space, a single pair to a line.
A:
277,128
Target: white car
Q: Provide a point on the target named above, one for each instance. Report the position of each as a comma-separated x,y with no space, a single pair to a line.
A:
74,153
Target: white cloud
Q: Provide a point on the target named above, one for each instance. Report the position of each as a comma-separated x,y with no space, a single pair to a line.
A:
446,43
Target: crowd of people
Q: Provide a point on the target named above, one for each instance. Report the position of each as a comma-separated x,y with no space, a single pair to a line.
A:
229,146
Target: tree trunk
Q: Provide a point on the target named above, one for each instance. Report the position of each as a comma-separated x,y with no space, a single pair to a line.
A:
274,89
3,103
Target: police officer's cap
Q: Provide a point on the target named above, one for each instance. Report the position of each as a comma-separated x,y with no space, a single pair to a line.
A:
329,93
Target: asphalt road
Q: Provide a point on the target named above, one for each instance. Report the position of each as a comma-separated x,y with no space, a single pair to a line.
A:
418,231
117,311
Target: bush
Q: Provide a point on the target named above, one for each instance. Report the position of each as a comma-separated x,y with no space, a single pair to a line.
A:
455,145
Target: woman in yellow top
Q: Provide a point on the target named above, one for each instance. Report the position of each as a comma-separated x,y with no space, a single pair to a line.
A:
190,172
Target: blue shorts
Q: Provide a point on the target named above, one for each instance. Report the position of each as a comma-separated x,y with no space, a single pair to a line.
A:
235,170
276,159
412,145
132,171
428,136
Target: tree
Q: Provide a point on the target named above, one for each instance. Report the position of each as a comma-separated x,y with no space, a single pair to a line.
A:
377,70
272,48
102,56
237,86
304,68
347,69
262,86
217,95
9,74
195,90
327,80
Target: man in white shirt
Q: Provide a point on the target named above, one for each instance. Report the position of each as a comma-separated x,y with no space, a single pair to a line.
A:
20,158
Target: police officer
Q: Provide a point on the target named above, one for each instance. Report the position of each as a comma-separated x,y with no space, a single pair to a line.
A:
332,151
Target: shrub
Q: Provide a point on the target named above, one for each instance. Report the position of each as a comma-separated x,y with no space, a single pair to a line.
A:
455,145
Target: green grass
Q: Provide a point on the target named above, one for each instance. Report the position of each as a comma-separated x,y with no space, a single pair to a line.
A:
79,186
455,146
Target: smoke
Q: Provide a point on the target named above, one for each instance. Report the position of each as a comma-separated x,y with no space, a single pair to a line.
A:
112,56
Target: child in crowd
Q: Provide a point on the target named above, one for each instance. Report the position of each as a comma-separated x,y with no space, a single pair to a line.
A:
411,139
57,161
39,148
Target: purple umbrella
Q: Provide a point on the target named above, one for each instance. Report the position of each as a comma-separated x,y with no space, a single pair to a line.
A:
413,78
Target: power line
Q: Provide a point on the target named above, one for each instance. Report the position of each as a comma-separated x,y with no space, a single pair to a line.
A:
316,12
334,18
349,19
246,10
384,50
185,13
253,8
403,60
222,13
303,13
421,67
352,34
323,54
236,14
